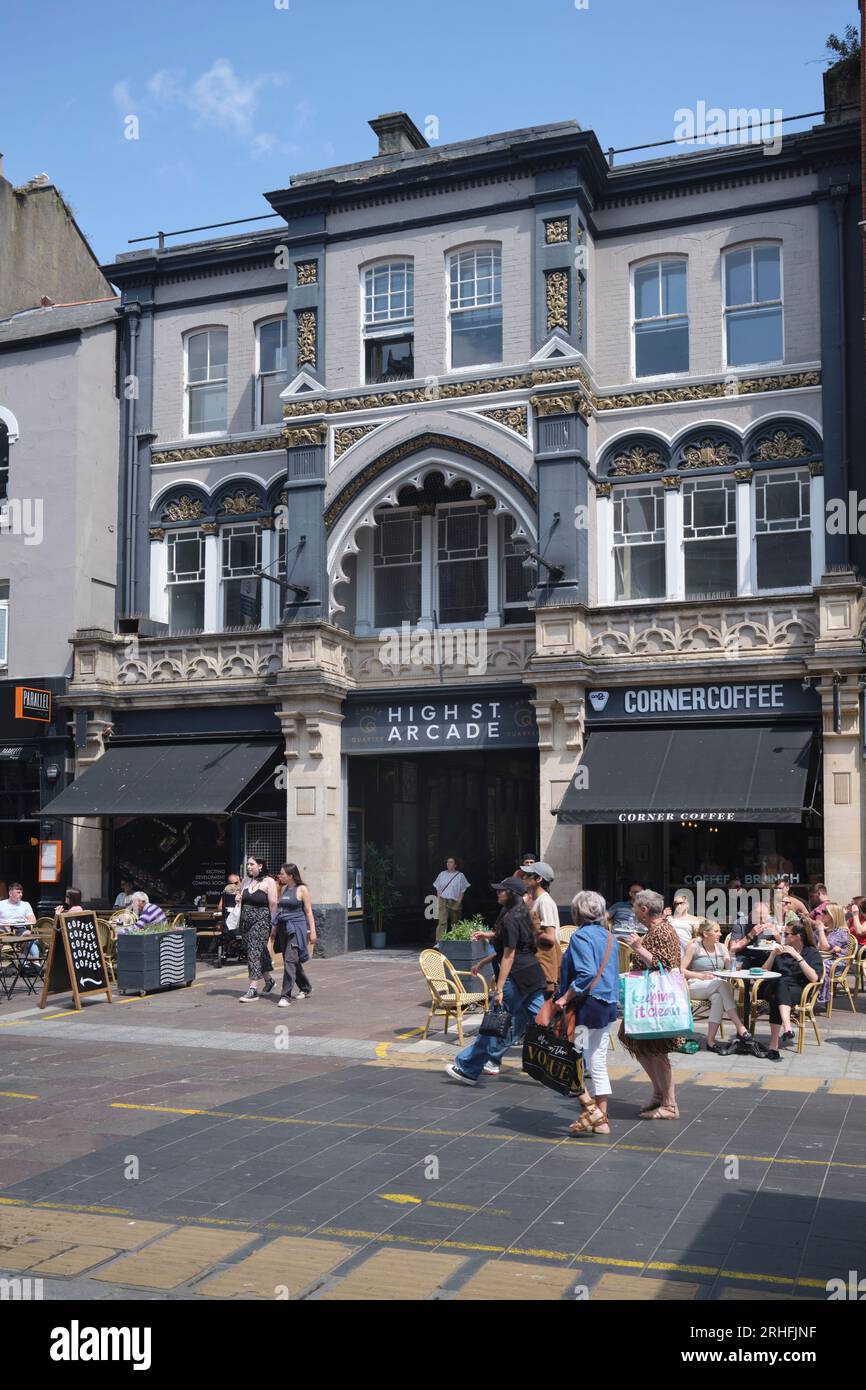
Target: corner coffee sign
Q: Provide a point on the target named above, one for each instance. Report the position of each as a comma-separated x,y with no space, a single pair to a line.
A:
725,700
426,723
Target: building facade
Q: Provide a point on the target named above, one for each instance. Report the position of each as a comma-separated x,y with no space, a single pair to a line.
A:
538,452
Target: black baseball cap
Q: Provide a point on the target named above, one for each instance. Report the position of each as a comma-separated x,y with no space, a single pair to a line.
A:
511,885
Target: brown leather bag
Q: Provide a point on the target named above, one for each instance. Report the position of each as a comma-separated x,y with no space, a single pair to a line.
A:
547,1014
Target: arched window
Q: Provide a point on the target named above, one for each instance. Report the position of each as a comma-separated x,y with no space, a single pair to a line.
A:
206,352
475,306
660,319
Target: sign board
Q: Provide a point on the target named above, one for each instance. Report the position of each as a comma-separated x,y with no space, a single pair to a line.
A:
50,855
75,959
33,703
674,704
426,723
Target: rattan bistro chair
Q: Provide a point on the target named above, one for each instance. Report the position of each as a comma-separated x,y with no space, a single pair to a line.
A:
860,967
447,995
839,975
805,1012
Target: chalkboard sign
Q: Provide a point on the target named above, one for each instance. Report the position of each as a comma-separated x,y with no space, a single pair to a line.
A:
75,959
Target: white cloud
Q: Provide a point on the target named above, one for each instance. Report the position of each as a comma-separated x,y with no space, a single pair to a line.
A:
121,96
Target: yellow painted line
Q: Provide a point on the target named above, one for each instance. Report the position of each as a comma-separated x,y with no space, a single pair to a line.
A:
382,1050
17,1095
482,1134
402,1198
405,1199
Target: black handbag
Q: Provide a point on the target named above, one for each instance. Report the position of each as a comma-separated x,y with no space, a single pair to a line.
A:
496,1023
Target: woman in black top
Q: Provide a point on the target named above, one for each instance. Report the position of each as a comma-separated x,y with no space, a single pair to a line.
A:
294,932
258,905
799,965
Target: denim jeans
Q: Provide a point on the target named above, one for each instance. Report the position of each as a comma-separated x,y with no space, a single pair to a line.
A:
522,1008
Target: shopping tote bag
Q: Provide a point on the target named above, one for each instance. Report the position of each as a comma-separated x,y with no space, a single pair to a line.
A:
657,1004
549,1056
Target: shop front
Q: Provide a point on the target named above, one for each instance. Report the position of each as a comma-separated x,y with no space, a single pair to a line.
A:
433,774
34,748
691,786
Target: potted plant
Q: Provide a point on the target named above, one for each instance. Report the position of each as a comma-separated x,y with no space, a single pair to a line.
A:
380,895
155,957
458,947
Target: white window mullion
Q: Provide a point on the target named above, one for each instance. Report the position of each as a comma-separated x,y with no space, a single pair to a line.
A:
428,570
364,590
605,562
159,581
493,616
819,530
270,592
674,559
212,586
745,547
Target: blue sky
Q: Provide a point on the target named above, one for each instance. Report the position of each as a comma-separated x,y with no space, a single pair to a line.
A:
232,96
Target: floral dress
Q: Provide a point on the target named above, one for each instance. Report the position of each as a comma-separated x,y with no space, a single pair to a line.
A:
663,945
839,936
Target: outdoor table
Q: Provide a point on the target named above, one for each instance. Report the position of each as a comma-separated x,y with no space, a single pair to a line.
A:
22,942
748,978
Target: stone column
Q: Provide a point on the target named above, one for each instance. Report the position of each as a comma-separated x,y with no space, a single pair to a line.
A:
89,833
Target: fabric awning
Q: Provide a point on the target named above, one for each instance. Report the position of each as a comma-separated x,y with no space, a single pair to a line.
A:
165,779
745,772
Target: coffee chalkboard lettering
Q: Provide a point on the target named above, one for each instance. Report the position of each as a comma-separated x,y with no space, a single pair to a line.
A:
75,959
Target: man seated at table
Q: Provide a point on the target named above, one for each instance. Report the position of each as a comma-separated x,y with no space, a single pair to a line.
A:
18,916
760,926
147,913
621,915
124,897
799,965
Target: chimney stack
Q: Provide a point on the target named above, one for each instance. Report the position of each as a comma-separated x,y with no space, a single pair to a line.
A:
398,134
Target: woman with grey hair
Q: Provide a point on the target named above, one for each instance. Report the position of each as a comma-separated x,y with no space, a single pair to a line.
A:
589,983
660,946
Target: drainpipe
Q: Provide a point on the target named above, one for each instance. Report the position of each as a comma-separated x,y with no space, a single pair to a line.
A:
839,209
131,500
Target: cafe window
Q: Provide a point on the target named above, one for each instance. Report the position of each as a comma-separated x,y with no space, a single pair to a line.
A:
185,580
207,381
639,542
241,588
389,312
397,567
660,318
783,528
273,373
475,300
710,537
461,558
4,622
753,306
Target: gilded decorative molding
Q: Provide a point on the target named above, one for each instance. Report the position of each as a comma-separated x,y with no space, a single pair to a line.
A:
579,325
708,454
817,468
793,381
306,272
241,502
583,406
305,435
553,405
307,338
556,290
209,528
512,416
672,481
743,475
157,533
259,445
602,489
349,435
184,508
267,523
555,230
414,446
637,460
782,446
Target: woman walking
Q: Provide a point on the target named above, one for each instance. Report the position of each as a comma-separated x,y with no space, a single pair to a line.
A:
590,975
659,947
258,904
702,957
294,928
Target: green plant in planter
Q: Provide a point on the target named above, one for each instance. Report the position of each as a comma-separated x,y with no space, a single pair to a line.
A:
151,929
380,895
462,931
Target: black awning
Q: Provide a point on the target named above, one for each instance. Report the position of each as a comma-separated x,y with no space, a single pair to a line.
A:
165,779
747,772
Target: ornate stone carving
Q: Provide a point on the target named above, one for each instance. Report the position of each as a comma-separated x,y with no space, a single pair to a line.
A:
267,523
708,454
711,628
306,272
241,502
553,405
672,481
711,390
579,323
157,533
184,508
307,338
508,653
781,446
555,230
294,438
602,489
261,444
345,438
556,290
512,416
743,475
817,468
637,460
200,659
210,528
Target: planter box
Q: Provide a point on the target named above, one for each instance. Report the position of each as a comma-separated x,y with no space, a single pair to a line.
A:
463,955
155,960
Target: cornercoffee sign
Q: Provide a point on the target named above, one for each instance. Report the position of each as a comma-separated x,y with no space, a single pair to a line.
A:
767,700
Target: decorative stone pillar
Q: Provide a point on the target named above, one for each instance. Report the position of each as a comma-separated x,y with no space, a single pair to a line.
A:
90,833
559,710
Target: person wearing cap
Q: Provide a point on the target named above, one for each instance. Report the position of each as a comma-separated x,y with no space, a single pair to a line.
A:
545,919
519,982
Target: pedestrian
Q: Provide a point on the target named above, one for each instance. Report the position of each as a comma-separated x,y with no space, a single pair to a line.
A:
519,983
589,983
294,932
258,905
799,965
704,955
449,886
660,946
544,915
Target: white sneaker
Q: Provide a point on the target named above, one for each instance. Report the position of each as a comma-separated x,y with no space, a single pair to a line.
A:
284,1002
250,995
490,1069
457,1075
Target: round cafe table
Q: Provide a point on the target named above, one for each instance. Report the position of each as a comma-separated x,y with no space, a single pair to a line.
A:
748,978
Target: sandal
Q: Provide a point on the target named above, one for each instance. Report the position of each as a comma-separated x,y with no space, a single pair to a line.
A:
592,1120
653,1105
664,1112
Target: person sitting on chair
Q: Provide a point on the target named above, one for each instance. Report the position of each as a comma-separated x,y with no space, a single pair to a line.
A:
799,965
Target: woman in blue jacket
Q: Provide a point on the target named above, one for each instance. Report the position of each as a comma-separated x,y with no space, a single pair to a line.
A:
590,974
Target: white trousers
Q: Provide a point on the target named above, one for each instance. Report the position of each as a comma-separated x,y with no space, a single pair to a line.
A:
719,994
595,1077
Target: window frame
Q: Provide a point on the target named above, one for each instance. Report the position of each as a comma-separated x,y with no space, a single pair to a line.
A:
750,246
390,329
171,538
680,258
800,530
260,422
633,486
450,256
726,483
189,386
226,531
479,508
392,513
